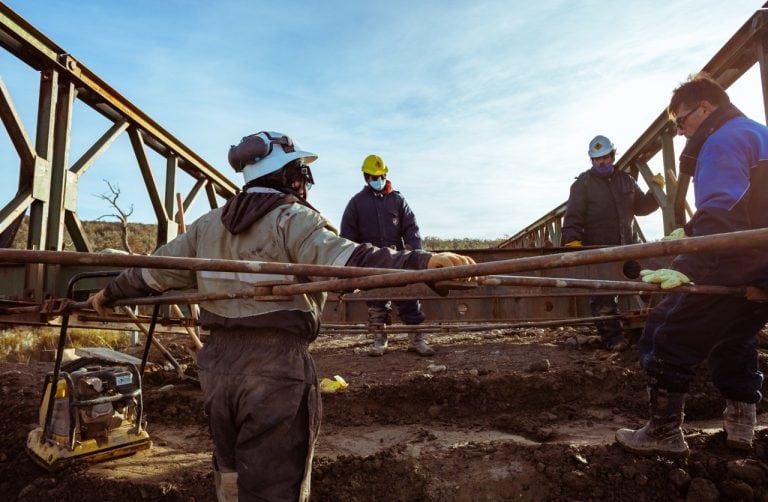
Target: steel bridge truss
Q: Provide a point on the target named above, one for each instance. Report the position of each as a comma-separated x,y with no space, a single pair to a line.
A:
48,191
48,182
747,47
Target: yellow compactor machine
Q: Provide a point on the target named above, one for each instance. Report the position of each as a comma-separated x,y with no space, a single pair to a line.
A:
92,407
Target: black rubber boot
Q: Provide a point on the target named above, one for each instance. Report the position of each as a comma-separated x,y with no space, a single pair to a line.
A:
663,433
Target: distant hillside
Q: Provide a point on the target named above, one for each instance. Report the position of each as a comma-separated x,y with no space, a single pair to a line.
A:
142,238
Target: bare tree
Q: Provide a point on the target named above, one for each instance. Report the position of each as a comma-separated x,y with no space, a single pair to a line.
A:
122,215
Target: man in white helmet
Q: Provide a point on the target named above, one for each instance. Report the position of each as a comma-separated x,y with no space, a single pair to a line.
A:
378,214
258,379
600,210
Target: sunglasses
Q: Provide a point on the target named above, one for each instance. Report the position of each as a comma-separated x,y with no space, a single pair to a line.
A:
377,177
680,121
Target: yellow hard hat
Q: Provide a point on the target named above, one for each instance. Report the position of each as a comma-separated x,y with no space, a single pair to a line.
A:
374,165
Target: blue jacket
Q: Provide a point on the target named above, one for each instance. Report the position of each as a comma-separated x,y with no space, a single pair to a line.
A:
384,220
600,209
729,197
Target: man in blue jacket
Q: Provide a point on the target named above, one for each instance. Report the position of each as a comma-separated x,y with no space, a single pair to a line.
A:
379,215
601,208
727,155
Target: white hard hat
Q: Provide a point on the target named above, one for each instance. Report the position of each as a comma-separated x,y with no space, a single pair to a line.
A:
600,146
265,152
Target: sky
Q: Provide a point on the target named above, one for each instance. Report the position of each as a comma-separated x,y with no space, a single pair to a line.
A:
482,109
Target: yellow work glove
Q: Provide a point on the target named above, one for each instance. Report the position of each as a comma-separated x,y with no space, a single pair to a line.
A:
96,302
329,386
448,259
666,277
658,179
573,244
678,233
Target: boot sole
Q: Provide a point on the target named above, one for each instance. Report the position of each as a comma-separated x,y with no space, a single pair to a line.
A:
651,451
647,453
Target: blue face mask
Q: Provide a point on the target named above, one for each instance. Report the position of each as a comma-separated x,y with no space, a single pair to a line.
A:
378,184
603,169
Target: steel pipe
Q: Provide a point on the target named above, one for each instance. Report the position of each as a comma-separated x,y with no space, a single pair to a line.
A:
613,286
729,241
181,263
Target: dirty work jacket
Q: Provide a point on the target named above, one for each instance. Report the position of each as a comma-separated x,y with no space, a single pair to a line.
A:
731,188
288,233
383,220
600,209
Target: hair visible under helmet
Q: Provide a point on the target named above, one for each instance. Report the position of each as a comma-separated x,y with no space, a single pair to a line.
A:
698,88
271,159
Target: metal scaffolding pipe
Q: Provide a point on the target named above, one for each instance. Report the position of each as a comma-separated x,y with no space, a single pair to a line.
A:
627,287
180,263
482,326
386,277
613,286
730,241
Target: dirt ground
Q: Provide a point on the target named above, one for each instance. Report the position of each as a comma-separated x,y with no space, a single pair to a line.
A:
499,415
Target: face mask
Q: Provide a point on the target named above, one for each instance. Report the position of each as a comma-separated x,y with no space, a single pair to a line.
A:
603,168
378,184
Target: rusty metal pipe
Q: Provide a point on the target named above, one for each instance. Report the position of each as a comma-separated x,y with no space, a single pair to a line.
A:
181,263
627,286
734,240
617,287
730,241
387,277
328,329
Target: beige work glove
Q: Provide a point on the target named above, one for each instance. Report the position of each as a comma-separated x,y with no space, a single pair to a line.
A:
678,233
448,259
665,277
96,302
573,244
658,180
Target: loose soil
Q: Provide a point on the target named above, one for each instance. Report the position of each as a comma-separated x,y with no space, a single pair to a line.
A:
499,415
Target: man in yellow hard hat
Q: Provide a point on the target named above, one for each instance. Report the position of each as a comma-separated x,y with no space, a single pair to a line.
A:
379,215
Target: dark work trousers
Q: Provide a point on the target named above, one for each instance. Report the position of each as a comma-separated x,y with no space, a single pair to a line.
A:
604,305
685,330
408,310
264,410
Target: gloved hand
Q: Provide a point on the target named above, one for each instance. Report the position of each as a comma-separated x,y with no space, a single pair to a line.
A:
448,259
678,233
573,244
97,301
658,179
666,277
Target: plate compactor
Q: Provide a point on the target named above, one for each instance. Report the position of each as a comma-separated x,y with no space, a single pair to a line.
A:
96,414
91,409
